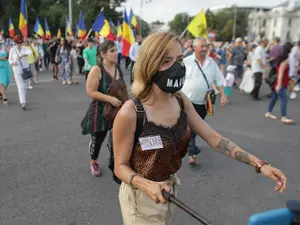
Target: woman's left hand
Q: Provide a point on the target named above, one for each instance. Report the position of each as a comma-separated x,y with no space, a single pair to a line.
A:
276,175
277,88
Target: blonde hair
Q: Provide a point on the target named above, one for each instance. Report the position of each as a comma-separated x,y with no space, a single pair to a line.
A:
150,58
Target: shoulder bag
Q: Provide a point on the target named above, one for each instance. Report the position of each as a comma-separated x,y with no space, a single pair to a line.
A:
26,72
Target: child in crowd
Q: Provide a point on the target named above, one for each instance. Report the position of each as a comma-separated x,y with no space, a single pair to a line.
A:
229,80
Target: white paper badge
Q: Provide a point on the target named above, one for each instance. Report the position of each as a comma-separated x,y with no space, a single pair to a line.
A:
151,142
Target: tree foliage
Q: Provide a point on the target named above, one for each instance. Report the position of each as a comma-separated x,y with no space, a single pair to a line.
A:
220,21
56,11
144,27
179,23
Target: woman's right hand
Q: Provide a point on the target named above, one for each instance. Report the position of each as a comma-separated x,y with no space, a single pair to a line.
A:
154,191
115,102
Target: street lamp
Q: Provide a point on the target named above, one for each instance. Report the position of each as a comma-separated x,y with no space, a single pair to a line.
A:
141,8
70,13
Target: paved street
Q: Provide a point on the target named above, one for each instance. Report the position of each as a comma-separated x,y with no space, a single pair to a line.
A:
44,163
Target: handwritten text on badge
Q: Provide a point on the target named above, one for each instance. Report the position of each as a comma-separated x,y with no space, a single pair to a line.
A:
150,143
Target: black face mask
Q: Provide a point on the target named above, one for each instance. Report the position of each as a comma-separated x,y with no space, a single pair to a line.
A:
170,80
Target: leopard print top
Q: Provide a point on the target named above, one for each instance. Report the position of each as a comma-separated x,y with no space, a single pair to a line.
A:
159,164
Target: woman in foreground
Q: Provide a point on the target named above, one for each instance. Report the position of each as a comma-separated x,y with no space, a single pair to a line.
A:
150,166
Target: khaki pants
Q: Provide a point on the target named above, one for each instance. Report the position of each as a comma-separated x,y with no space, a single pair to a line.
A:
139,209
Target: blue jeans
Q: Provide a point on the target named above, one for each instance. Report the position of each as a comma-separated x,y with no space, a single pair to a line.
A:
283,97
193,149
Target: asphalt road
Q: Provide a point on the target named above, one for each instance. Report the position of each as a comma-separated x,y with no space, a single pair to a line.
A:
44,163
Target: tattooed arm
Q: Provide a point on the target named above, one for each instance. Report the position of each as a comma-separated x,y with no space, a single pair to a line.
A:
225,146
230,149
213,138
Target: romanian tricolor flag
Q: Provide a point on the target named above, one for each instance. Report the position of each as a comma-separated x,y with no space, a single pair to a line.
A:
68,27
127,38
11,28
23,20
111,24
102,26
119,32
81,27
58,33
48,33
133,20
38,28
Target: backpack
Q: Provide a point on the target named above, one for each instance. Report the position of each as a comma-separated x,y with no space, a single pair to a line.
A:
140,116
272,76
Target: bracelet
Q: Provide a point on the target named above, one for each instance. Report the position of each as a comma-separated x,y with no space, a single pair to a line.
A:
131,176
259,165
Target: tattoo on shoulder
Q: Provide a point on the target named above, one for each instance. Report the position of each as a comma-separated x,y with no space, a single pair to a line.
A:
243,157
225,147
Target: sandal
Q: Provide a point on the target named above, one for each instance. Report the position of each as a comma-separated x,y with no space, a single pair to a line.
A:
268,115
192,160
286,120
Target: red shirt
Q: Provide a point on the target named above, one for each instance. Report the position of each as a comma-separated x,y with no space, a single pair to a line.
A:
212,55
285,78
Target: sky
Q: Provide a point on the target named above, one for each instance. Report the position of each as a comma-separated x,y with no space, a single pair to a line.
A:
165,10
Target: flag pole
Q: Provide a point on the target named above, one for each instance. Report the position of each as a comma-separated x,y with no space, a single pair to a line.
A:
183,33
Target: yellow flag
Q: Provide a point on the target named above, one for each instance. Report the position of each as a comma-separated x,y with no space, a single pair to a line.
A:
58,33
198,26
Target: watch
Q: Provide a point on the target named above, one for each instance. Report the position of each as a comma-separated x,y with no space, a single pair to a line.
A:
259,165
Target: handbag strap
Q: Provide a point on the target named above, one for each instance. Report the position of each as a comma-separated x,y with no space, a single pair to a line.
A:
114,77
16,50
202,74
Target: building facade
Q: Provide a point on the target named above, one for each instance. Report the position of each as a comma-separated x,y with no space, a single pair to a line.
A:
282,21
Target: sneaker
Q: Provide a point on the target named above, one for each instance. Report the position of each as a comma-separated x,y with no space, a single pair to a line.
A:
69,82
30,87
297,87
293,95
5,101
23,106
95,169
64,82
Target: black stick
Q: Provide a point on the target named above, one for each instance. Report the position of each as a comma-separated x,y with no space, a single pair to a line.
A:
171,198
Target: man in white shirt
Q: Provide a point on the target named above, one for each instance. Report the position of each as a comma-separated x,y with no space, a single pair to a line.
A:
293,60
259,64
133,52
195,86
119,46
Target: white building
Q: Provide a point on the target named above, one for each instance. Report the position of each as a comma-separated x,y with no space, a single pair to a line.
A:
282,21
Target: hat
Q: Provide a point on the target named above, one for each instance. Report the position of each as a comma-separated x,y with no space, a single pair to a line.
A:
1,40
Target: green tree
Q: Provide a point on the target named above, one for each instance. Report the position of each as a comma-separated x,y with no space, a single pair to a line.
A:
220,21
157,22
56,11
144,27
179,23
